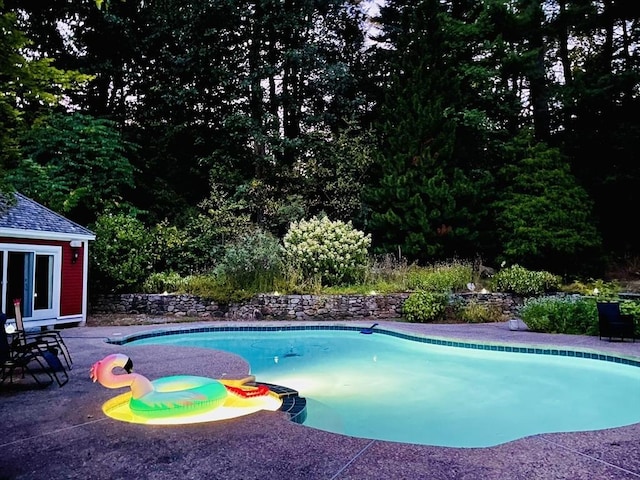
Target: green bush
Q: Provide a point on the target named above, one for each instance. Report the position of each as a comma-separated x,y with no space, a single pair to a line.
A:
440,277
169,244
572,315
599,288
520,281
632,307
476,312
121,257
251,262
334,253
424,307
163,282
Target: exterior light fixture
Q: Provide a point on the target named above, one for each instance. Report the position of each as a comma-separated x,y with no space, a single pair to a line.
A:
75,250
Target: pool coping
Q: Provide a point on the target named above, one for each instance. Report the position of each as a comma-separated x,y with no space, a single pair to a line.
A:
448,342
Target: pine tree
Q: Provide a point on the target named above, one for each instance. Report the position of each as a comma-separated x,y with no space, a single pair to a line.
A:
424,203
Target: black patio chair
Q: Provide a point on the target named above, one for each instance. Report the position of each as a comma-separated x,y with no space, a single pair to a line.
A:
46,338
615,324
28,359
44,346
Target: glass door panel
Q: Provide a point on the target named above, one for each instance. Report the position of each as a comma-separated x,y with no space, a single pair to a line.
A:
43,294
32,274
18,283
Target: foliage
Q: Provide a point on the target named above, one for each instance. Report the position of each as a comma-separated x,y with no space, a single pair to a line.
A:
31,86
253,261
75,165
209,286
205,286
282,77
632,307
423,307
477,312
169,282
169,246
543,216
441,277
598,288
521,281
199,244
294,281
332,251
387,268
427,194
378,288
203,245
336,173
283,118
121,257
11,41
572,315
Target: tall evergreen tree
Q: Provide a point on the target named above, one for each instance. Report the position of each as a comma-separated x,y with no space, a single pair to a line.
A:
544,217
427,201
600,105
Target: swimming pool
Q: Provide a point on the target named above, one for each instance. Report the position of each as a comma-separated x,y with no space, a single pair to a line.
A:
397,387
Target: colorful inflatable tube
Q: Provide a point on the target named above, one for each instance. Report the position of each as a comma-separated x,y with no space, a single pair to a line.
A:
168,396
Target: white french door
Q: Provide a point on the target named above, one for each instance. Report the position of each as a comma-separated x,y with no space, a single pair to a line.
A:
32,274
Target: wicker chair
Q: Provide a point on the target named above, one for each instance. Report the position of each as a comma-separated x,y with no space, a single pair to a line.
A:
613,323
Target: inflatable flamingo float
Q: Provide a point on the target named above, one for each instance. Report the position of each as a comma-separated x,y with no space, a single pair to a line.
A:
175,396
167,396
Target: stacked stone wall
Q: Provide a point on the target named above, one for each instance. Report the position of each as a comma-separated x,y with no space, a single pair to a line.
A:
284,307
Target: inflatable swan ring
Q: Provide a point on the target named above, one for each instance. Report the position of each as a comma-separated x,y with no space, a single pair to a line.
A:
167,396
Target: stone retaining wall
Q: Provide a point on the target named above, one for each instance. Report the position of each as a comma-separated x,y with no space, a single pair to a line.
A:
284,307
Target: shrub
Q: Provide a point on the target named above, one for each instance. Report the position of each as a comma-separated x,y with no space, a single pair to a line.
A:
424,307
251,262
169,245
121,256
603,290
204,242
520,281
440,277
631,307
476,312
163,282
572,315
333,252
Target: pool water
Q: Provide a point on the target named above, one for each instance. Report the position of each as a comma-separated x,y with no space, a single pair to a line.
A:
384,387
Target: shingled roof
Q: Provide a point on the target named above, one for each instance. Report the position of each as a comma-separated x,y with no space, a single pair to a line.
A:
26,218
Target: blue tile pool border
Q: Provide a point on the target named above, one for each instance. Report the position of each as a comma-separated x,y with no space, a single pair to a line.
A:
527,349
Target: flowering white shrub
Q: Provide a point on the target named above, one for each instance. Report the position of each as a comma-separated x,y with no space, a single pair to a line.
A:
333,252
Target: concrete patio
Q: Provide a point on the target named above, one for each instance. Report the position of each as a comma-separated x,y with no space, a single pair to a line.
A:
62,433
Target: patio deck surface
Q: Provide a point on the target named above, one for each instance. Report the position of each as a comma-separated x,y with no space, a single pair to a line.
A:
62,433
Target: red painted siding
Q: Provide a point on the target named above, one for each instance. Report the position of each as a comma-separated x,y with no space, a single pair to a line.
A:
71,281
71,276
